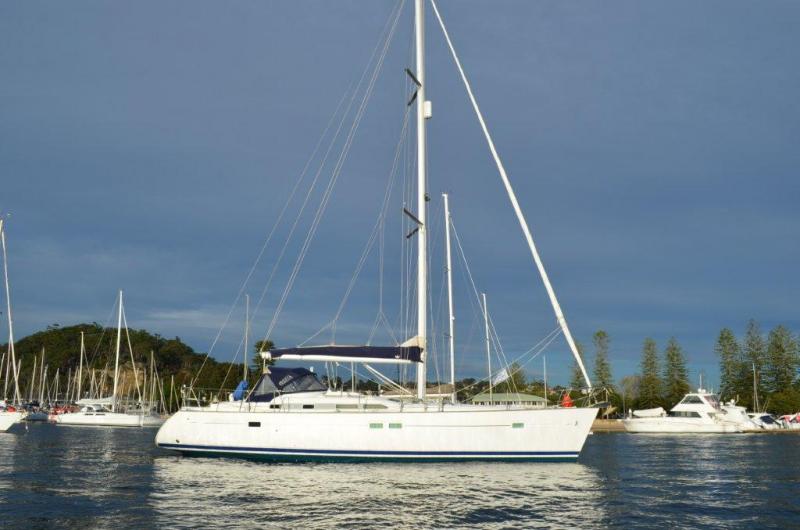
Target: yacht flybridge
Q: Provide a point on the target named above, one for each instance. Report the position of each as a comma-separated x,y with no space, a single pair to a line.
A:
290,414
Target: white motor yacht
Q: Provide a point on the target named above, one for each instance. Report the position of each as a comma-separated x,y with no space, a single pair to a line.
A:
698,412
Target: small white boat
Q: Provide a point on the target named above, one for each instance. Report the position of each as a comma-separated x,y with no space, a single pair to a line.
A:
698,412
765,421
100,415
738,415
8,417
790,421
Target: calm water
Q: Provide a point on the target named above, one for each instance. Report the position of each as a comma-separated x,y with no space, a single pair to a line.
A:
105,478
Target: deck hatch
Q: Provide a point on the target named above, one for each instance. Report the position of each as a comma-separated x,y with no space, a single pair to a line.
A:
517,425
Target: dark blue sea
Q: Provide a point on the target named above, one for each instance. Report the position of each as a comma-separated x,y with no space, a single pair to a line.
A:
72,477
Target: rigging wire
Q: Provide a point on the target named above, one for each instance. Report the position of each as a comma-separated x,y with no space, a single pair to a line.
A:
335,175
283,211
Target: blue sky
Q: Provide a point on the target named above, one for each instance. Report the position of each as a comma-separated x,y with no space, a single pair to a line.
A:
150,146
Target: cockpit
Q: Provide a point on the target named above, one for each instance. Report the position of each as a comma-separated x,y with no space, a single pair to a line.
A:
284,381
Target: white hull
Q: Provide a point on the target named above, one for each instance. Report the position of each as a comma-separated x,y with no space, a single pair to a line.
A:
460,432
677,425
109,419
8,419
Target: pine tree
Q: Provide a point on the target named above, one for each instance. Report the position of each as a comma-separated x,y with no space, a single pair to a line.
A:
730,365
676,378
781,364
602,368
650,383
576,380
754,351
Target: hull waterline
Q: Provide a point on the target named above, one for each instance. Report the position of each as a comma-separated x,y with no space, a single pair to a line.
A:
434,436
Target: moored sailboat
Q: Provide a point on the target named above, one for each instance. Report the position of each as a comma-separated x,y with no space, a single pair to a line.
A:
290,414
11,413
106,412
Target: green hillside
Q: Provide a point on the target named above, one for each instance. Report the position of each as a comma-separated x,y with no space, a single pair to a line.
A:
173,358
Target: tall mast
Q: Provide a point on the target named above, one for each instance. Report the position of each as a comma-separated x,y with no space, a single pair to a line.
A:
42,375
450,317
422,235
246,335
43,388
80,370
544,370
13,357
116,359
488,344
33,380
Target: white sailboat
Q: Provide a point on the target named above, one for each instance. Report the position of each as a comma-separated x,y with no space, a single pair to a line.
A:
10,412
291,415
106,412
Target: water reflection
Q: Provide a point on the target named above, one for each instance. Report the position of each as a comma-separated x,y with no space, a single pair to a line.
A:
57,476
196,490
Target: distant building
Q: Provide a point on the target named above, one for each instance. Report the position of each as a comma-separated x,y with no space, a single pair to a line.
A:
510,398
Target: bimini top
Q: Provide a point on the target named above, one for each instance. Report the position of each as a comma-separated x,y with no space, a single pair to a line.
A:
359,354
284,381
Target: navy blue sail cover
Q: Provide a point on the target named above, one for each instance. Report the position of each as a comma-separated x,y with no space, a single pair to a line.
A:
405,353
284,381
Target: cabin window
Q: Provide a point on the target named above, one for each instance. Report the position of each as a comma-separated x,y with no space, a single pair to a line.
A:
308,406
684,414
692,400
395,425
274,406
254,424
376,425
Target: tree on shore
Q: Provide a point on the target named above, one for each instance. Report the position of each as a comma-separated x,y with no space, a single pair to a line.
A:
650,390
676,378
257,361
730,365
602,368
781,365
753,357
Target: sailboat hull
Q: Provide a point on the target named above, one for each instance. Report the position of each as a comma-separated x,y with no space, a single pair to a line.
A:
108,419
8,419
448,434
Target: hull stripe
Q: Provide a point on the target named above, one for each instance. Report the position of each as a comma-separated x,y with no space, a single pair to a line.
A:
333,452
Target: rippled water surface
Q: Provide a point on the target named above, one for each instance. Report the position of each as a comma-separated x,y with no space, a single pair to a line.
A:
98,477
